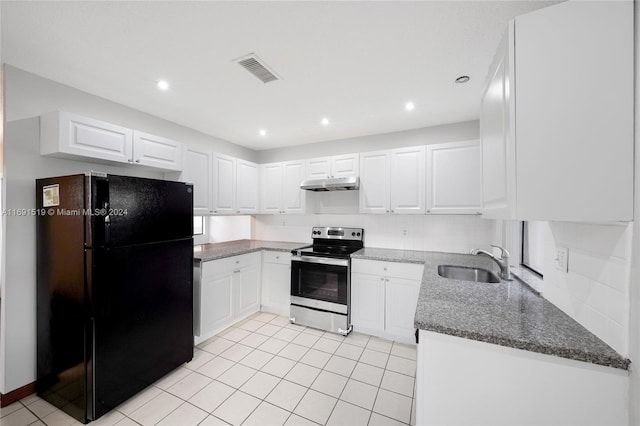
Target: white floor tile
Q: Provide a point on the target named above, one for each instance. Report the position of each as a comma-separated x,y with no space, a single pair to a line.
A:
401,365
155,410
172,378
251,325
214,394
5,411
184,415
334,336
326,345
200,358
316,358
20,417
349,351
237,375
316,406
139,400
296,327
126,422
237,408
368,374
266,317
189,386
213,421
345,414
254,339
278,366
236,352
330,383
260,385
215,367
286,395
302,374
393,405
218,346
286,334
296,420
404,350
268,329
41,408
29,399
57,418
236,334
293,351
373,357
360,394
273,346
314,331
379,420
256,359
357,339
267,415
398,383
113,417
305,339
339,365
380,345
280,321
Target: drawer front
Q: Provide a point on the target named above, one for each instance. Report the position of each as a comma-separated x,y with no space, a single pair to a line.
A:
276,257
227,264
410,271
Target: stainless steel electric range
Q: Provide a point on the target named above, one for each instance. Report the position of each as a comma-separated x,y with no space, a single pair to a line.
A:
321,279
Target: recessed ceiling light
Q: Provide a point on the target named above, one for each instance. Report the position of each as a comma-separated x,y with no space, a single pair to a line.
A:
263,132
462,79
325,121
163,85
409,106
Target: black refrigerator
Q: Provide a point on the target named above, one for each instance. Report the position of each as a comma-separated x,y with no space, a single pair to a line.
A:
115,288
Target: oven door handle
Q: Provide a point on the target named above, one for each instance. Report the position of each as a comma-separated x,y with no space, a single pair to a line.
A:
320,260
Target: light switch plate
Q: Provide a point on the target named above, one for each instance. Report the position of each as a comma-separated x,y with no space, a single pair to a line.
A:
562,259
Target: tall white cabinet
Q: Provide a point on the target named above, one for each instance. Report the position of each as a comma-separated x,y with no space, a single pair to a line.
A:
556,117
197,170
280,191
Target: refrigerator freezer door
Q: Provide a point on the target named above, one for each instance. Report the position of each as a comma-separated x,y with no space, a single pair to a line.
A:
140,210
143,317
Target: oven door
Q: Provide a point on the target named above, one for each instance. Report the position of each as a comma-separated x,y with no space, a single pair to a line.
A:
320,282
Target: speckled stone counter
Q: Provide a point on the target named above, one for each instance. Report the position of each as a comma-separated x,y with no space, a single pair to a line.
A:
506,313
206,252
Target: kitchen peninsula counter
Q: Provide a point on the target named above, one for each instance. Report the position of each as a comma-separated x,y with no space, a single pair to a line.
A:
213,251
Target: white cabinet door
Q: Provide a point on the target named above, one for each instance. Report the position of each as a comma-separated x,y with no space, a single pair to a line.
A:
224,175
197,170
247,187
318,168
247,288
367,303
401,298
66,135
454,178
271,188
345,165
276,282
216,304
374,182
293,199
408,180
155,151
497,134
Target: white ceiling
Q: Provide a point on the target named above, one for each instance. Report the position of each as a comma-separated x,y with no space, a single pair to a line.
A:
356,63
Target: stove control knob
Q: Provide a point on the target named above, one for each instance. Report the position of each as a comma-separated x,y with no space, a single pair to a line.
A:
353,234
358,234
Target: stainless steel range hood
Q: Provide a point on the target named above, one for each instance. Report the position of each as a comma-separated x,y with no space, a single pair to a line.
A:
332,184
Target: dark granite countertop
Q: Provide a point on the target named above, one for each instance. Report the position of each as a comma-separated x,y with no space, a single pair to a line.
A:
507,313
206,252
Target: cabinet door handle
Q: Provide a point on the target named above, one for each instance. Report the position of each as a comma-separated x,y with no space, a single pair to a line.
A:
387,211
381,278
129,160
137,161
391,211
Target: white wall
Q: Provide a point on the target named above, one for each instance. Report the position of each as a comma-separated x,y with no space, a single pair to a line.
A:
595,291
425,232
437,134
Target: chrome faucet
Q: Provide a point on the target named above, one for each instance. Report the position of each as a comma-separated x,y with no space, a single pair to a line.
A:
502,261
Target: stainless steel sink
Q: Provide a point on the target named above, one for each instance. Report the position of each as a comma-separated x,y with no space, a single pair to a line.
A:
465,273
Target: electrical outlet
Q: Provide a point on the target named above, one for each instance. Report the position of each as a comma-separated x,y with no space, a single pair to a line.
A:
562,259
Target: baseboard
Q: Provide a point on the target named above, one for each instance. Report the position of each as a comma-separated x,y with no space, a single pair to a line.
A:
17,395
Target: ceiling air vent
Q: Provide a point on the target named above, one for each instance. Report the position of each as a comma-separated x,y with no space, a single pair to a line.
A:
258,68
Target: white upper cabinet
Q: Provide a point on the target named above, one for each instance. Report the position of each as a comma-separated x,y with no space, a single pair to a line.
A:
67,135
393,181
224,184
557,116
155,151
454,178
332,167
280,187
197,170
247,187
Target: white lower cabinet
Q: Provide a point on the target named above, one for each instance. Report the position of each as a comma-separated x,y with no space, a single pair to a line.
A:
498,385
384,296
276,282
228,291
